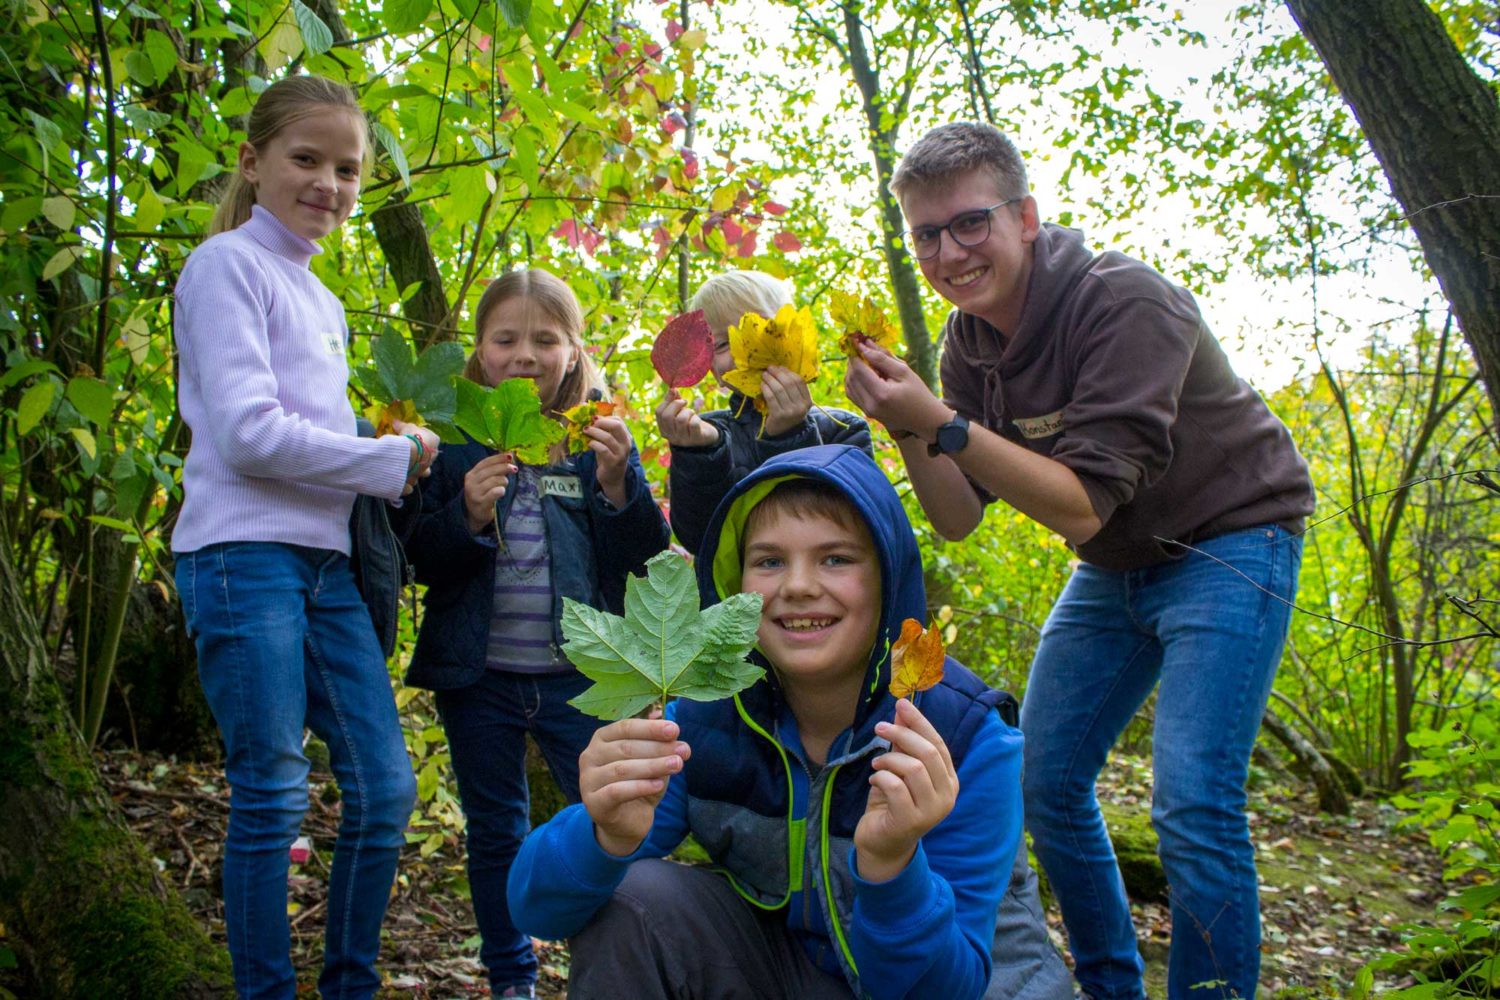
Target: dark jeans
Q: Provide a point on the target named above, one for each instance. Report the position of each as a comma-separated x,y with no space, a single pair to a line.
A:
487,723
671,932
285,642
1207,631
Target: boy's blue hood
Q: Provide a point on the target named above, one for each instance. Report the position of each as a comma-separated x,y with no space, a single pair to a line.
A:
853,473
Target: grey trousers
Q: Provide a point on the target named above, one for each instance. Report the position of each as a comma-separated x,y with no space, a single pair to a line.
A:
671,932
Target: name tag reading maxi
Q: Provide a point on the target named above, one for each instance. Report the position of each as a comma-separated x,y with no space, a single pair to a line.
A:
1040,427
562,486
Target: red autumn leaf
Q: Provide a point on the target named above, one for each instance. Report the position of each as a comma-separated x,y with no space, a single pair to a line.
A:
747,244
567,230
684,350
674,31
689,163
652,50
775,208
732,231
673,123
786,242
622,48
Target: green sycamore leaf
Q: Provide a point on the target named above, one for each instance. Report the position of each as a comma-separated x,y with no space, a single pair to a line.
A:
664,646
426,382
508,417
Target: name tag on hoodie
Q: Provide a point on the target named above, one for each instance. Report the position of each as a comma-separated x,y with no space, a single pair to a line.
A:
562,486
1040,427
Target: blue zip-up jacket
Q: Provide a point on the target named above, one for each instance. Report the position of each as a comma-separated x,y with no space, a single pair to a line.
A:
699,478
593,548
781,828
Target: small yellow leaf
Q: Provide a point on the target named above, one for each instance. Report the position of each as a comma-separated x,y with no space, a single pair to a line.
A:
61,261
385,415
861,320
916,659
692,39
86,441
723,199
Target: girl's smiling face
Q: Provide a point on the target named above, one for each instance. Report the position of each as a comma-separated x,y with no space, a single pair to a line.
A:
308,174
519,340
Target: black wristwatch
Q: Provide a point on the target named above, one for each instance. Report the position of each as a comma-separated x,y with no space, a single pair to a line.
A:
951,437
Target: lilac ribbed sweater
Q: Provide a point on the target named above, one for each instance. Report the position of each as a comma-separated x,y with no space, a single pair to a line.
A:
263,383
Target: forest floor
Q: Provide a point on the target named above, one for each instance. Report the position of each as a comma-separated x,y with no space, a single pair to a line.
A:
1333,889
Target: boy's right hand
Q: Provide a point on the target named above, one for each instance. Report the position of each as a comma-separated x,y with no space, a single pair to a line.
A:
622,775
681,426
483,485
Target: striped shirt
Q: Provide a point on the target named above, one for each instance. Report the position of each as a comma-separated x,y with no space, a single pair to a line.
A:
263,383
521,638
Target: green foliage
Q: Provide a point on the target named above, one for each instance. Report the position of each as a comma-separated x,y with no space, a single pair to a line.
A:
508,417
664,646
1458,955
426,382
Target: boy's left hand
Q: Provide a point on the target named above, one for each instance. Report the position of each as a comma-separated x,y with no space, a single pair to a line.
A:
609,439
912,790
787,400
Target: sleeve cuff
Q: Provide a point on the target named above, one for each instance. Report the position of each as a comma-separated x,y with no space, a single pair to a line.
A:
903,895
590,865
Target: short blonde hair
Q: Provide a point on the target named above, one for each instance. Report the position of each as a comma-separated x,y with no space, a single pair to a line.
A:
726,297
957,148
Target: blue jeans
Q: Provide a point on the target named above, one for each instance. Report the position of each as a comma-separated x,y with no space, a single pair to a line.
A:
1212,637
285,642
487,723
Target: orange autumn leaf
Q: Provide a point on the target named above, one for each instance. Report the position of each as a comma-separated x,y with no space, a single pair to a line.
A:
916,658
578,418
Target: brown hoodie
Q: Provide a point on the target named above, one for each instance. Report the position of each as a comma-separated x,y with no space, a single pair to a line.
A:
1114,374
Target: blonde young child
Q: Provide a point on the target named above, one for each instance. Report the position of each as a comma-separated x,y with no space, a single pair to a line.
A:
489,639
284,639
713,451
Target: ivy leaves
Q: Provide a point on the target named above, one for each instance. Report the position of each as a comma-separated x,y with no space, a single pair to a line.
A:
664,646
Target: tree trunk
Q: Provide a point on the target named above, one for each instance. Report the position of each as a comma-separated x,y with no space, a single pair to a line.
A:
920,351
1435,128
81,903
403,241
1331,797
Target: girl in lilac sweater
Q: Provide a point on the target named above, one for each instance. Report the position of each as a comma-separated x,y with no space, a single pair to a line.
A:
284,640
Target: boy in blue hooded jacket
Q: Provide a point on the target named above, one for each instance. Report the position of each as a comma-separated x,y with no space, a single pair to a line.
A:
862,844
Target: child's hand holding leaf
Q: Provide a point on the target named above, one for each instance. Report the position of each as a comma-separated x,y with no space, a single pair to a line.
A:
609,439
787,400
484,485
622,775
860,321
913,789
681,425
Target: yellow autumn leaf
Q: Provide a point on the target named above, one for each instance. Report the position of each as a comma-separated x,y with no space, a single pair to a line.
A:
861,319
789,339
385,415
579,418
916,658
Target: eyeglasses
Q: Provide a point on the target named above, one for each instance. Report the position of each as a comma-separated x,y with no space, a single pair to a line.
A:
968,229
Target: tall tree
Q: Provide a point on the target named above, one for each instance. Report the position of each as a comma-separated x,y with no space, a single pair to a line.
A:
1435,127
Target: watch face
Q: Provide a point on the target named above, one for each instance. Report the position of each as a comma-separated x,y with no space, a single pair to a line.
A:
952,437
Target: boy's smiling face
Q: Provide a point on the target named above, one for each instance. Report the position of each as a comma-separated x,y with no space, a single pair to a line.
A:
820,578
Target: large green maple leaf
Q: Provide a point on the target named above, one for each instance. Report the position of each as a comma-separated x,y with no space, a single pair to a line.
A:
407,386
508,417
664,646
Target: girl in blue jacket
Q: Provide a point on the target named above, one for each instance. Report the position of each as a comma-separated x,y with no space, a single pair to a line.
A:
490,635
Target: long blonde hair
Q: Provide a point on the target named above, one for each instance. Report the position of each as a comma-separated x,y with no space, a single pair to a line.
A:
556,300
282,103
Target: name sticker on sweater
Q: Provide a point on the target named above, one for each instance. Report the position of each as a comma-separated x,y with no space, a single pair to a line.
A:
562,486
333,343
1040,427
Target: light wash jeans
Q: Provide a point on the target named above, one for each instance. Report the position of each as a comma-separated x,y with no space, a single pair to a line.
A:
1209,627
285,642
